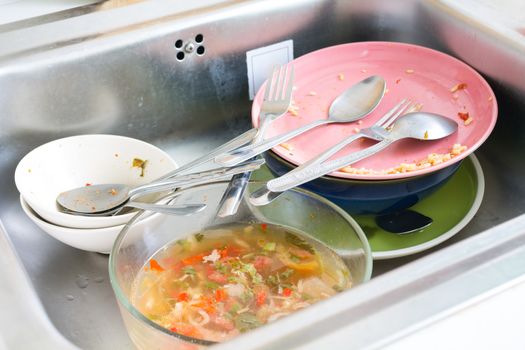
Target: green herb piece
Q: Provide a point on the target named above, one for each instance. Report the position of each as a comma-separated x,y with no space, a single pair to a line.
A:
246,321
306,297
252,272
235,307
185,244
295,258
233,279
211,285
338,288
220,267
199,236
298,242
286,274
270,246
273,280
247,297
189,270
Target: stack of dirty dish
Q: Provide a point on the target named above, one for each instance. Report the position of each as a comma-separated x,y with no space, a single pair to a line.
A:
77,161
407,171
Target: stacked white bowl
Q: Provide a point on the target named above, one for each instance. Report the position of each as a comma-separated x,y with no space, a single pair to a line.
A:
76,161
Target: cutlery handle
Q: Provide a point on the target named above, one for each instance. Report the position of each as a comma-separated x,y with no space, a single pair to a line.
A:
237,142
196,178
232,197
239,155
328,153
182,209
264,196
291,180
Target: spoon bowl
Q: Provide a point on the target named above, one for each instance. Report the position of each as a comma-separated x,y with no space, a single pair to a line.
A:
354,103
105,198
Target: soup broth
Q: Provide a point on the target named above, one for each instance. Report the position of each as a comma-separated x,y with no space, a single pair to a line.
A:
218,283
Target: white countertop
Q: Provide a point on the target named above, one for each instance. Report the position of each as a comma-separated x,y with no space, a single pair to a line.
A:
494,321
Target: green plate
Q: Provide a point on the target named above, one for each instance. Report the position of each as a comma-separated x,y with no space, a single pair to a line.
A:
451,209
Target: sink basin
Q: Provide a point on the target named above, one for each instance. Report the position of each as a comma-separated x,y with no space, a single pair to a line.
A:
130,71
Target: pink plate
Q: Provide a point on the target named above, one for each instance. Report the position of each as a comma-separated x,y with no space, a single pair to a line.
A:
421,74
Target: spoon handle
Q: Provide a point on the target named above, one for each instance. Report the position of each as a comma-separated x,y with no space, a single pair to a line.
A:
291,180
241,154
227,147
231,199
195,178
183,209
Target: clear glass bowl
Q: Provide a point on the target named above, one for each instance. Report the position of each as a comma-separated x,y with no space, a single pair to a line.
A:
298,209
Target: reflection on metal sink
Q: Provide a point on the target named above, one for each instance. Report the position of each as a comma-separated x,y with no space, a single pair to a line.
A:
125,71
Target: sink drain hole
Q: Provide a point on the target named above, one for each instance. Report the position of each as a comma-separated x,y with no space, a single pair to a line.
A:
200,50
188,47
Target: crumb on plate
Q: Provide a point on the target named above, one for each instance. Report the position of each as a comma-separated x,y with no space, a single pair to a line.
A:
459,86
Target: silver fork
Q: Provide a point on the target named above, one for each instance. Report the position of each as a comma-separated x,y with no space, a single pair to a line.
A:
276,101
264,195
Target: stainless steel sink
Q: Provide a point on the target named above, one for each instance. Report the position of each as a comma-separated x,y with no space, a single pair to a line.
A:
121,71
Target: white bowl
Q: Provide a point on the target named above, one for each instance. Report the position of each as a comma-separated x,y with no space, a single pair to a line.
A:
98,240
75,161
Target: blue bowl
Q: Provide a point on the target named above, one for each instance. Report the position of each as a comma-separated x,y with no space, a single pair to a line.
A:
364,197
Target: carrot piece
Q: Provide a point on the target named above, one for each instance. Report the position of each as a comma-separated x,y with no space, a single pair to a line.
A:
193,260
154,265
287,292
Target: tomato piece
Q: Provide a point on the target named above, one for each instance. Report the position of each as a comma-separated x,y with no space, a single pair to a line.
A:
184,329
264,227
220,295
287,292
463,115
262,263
217,277
260,298
183,297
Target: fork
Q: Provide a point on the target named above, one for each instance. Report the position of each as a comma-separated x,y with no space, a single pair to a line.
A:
276,101
264,195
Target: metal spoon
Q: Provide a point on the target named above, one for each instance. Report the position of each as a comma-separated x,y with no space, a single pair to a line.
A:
419,125
170,209
354,103
104,197
403,222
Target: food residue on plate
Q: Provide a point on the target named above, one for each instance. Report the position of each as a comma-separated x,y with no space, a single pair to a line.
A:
459,86
293,109
409,71
430,160
139,163
467,119
287,146
341,76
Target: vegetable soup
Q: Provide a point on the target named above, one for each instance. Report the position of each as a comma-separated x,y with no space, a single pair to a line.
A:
221,282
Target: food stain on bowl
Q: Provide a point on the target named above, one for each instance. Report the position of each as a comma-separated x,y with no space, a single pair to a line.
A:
227,280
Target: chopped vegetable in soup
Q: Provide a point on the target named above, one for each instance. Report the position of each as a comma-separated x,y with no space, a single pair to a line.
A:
222,282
